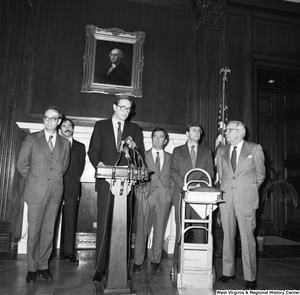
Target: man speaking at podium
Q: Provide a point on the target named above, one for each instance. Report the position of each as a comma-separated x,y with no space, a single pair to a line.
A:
105,146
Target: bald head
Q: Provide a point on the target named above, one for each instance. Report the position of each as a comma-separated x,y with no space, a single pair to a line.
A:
116,55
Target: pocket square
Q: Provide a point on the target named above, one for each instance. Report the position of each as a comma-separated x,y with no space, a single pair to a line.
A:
250,156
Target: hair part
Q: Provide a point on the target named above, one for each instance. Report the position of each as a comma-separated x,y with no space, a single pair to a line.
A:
166,135
64,119
54,108
120,97
240,125
193,124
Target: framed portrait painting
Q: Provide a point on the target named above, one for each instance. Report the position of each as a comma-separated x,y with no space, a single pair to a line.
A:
113,61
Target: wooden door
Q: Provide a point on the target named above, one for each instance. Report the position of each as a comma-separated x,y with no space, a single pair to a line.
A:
279,135
291,156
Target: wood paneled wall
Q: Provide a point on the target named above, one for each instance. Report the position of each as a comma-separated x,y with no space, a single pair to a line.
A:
41,62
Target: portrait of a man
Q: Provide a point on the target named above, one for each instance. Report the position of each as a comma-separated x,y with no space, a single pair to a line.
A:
116,73
113,61
115,67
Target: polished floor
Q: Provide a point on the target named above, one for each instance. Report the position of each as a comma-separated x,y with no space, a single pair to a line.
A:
278,269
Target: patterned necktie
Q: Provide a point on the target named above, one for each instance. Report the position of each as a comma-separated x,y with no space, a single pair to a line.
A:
50,143
233,159
157,162
193,156
119,137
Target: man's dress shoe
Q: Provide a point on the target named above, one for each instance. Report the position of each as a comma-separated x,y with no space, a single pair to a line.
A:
156,266
46,274
136,268
31,277
225,279
72,258
251,285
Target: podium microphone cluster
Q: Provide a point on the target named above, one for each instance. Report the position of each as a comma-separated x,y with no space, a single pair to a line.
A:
130,142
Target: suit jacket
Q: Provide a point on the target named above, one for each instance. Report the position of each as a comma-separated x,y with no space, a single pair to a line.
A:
43,170
243,184
103,146
75,170
181,164
160,184
118,76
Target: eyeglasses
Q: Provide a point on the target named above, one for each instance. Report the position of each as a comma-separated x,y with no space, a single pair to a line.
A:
124,109
50,119
230,129
196,130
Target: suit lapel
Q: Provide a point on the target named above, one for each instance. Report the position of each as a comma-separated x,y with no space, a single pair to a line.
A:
243,155
42,141
187,156
57,148
149,160
110,133
227,157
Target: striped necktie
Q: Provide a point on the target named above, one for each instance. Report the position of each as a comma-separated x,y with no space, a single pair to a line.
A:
119,137
50,143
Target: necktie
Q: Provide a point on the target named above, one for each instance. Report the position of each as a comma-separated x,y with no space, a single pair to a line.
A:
157,162
193,156
119,137
50,143
233,159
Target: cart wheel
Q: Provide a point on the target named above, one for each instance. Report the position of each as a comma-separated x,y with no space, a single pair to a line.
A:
172,273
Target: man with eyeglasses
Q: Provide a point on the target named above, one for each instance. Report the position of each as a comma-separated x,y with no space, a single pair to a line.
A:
104,149
116,73
72,188
43,160
241,169
186,157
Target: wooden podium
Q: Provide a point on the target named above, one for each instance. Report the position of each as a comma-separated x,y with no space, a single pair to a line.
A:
121,180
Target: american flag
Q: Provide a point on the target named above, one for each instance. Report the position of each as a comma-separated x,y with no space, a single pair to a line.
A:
222,123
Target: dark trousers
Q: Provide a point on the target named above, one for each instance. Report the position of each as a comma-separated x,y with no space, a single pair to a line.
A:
70,218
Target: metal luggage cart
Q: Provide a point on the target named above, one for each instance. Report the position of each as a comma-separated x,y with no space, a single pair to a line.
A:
196,270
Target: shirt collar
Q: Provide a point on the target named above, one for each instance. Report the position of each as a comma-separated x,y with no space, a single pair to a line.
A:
48,135
194,144
115,122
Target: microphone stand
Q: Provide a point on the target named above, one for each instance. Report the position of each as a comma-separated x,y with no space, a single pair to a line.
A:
144,165
117,162
129,162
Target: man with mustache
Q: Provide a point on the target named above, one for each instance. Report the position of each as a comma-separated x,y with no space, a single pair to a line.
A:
72,188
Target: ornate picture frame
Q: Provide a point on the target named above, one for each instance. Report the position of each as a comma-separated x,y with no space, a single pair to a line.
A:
97,63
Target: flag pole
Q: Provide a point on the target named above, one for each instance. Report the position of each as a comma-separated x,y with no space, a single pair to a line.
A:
225,71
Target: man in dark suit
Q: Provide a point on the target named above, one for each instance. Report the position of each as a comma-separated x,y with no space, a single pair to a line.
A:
43,160
104,150
116,73
186,157
72,187
241,170
154,202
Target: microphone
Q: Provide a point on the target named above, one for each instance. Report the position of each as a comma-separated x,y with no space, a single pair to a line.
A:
125,150
130,142
127,156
